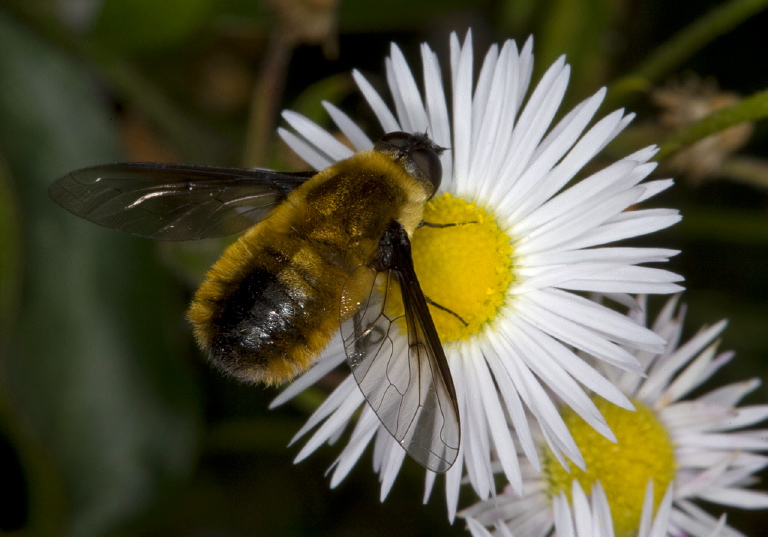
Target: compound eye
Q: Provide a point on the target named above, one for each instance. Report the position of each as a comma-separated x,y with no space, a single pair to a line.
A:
428,161
397,139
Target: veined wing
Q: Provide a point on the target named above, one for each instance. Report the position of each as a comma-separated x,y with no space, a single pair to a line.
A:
396,355
173,201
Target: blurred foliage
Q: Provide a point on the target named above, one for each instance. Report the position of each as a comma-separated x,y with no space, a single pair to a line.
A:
153,25
111,422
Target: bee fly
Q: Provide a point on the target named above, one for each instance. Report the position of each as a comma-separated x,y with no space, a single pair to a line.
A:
320,251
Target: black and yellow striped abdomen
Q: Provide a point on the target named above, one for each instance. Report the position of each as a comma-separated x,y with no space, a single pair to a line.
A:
270,304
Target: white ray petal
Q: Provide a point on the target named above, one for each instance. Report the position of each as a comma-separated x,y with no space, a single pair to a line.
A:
402,84
731,394
321,139
514,408
635,226
476,441
462,111
497,424
480,97
361,436
599,318
547,366
569,227
531,126
390,468
621,255
304,150
329,361
577,335
336,421
348,127
437,111
377,104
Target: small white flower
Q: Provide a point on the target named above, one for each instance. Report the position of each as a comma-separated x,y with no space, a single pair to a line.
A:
514,279
591,517
706,459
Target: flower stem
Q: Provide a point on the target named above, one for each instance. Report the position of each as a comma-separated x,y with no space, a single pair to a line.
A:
749,109
683,45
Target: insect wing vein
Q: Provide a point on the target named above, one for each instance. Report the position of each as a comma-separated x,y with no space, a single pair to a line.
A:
173,201
398,362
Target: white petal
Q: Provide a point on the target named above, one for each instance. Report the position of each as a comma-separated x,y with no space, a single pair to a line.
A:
538,401
655,187
480,98
743,499
462,109
392,463
601,512
454,474
581,371
307,152
661,521
332,357
730,441
547,366
624,255
361,436
348,127
660,375
492,144
618,279
564,524
476,529
476,440
575,334
531,126
437,110
731,394
534,191
634,224
567,228
514,408
377,104
410,107
586,313
497,424
339,407
320,138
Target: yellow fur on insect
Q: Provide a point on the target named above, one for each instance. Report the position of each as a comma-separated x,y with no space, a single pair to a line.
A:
271,303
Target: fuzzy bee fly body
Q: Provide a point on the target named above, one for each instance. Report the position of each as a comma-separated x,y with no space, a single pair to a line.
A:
320,251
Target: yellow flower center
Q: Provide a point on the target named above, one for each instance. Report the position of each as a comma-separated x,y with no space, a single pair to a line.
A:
643,451
464,264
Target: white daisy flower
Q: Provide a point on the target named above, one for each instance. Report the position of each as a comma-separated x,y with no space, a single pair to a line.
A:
686,444
591,517
516,278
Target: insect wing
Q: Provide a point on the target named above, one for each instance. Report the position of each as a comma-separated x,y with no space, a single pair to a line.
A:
404,376
173,201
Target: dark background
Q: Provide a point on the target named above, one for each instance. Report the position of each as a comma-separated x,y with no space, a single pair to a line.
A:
111,422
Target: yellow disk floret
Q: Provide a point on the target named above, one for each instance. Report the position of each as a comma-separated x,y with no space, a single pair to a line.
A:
643,451
464,264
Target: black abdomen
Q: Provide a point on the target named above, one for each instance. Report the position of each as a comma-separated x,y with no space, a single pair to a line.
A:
268,307
258,321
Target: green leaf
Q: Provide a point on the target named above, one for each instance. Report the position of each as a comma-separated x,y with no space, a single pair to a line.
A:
94,371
